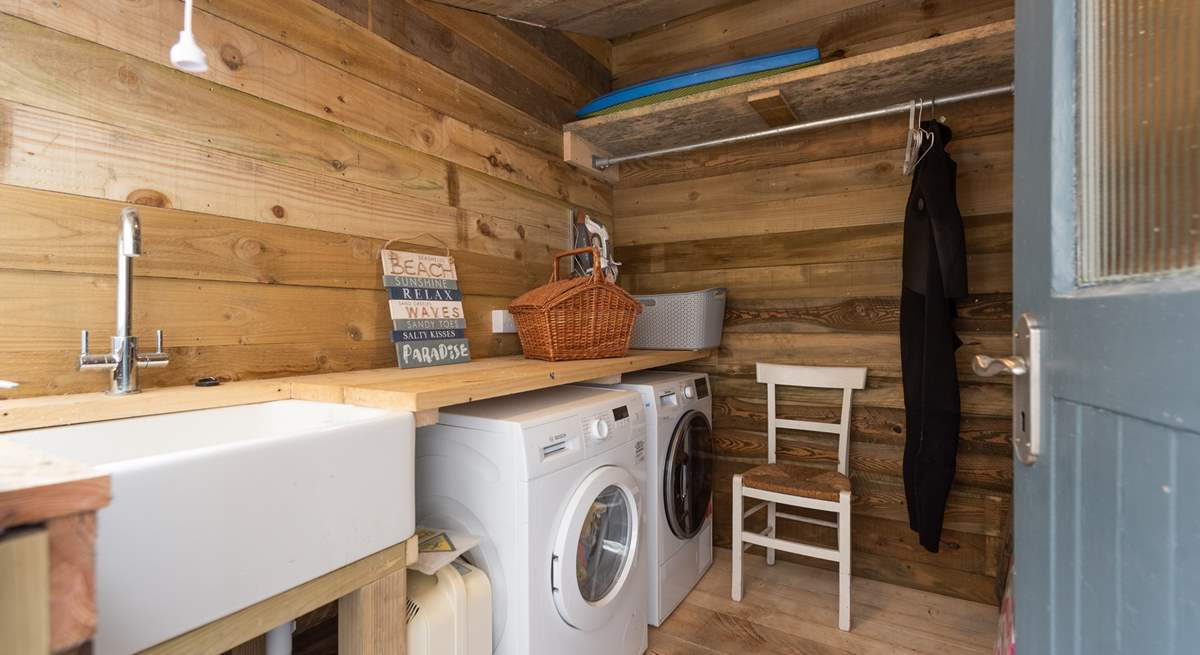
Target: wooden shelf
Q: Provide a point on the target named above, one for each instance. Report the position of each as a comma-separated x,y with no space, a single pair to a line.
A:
428,389
954,63
422,390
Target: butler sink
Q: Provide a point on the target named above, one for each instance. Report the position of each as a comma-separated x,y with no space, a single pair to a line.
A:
217,509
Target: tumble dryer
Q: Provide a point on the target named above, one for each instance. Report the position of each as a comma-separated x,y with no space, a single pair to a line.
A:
552,481
679,476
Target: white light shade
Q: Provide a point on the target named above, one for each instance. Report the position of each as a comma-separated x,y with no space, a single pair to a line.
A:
187,55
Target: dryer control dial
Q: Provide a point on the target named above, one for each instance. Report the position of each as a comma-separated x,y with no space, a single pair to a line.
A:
689,392
599,429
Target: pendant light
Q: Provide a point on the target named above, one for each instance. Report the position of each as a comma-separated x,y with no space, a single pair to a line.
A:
186,55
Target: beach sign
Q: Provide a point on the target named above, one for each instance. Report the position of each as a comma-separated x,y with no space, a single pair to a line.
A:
428,324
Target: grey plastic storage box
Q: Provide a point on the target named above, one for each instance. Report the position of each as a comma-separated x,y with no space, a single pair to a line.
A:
692,320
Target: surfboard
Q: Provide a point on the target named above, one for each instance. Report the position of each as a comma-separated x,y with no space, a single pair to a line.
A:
700,79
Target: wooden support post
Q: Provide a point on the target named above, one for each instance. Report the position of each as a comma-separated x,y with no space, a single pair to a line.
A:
426,417
371,620
772,107
25,591
579,151
72,579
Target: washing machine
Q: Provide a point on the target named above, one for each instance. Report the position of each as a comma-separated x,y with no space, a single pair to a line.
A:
553,482
679,458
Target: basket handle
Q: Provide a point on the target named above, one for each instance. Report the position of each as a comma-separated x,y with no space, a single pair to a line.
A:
596,272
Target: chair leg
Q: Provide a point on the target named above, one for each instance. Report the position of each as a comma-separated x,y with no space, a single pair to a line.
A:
771,524
844,562
737,538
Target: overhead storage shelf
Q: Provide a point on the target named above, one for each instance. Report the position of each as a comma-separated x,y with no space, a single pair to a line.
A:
956,63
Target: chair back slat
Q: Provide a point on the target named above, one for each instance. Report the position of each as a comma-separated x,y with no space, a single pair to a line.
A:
810,426
814,377
821,377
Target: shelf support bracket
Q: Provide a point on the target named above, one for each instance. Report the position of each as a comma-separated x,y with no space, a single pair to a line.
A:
772,108
583,154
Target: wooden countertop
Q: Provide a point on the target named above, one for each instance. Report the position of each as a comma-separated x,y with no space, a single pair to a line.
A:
427,389
39,488
50,411
422,390
36,487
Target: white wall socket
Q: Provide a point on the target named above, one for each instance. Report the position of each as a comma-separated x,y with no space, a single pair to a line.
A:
502,322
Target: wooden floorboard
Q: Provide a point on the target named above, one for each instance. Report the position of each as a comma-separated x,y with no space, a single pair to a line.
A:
791,608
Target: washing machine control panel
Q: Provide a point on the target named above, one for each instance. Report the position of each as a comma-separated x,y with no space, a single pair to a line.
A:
673,397
599,427
681,392
611,425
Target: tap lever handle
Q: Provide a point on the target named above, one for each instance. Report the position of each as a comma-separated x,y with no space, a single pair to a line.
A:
83,342
156,359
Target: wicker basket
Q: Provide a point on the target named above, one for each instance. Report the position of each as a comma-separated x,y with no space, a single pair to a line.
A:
577,318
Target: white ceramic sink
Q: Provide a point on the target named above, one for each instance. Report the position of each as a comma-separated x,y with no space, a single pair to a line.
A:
215,510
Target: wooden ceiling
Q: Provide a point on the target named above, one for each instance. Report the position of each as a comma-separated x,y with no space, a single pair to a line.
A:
605,18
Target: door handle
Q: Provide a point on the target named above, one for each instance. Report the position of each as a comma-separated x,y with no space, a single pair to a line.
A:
1026,368
987,367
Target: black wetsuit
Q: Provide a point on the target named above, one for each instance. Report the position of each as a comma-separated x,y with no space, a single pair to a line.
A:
935,275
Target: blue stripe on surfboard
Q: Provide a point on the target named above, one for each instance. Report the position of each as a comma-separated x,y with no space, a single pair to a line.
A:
712,73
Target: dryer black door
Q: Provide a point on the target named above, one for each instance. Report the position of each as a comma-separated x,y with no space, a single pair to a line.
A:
687,475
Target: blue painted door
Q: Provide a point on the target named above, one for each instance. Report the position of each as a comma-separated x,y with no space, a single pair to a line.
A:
1106,224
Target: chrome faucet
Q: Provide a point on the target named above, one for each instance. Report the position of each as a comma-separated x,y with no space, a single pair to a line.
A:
124,359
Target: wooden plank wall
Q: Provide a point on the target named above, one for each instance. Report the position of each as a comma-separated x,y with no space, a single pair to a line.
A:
806,233
269,183
603,18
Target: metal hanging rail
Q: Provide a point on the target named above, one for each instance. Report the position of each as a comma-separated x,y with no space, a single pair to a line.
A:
602,163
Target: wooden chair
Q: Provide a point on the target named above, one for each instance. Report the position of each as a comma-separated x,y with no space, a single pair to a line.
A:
800,486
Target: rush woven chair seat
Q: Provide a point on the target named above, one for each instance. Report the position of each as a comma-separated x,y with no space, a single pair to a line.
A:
793,485
797,481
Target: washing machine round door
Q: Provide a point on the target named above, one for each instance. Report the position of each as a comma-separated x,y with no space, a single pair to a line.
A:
687,475
596,547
